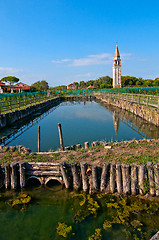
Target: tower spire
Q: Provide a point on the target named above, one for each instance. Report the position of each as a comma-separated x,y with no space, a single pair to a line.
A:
117,69
117,54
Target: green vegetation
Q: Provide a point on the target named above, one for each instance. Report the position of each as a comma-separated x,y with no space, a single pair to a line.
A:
97,235
10,79
128,212
21,200
64,230
88,206
40,86
107,81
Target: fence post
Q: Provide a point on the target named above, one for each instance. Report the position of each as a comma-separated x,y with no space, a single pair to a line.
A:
132,97
139,99
10,106
147,102
158,102
19,104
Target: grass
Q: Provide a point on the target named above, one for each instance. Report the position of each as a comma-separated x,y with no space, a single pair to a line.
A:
124,152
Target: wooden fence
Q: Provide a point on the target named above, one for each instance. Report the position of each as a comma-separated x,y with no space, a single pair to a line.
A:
17,104
142,99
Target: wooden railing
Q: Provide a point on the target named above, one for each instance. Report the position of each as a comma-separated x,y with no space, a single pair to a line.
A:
148,100
17,104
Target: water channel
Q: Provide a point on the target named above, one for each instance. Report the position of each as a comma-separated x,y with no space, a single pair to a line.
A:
81,121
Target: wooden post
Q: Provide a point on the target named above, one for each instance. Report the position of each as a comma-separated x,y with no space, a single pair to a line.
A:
19,104
126,178
119,178
141,177
112,177
60,135
22,174
1,178
132,98
7,176
76,176
134,179
139,99
156,177
147,101
86,145
84,177
95,178
151,178
65,175
73,147
104,176
10,105
14,176
67,148
158,102
38,138
78,146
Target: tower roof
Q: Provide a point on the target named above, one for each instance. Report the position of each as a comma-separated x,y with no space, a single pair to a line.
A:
116,55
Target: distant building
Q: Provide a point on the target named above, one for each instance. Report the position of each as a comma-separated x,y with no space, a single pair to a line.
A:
72,86
19,87
90,87
117,69
22,87
3,87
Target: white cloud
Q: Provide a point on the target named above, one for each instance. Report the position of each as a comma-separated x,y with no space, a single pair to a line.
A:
96,59
10,70
125,56
83,75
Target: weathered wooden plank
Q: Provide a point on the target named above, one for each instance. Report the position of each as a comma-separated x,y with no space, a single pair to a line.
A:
43,173
43,164
43,168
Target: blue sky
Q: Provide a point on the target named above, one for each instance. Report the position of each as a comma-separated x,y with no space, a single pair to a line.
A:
62,41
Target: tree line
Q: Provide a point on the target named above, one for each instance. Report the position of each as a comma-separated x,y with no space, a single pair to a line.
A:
100,83
107,82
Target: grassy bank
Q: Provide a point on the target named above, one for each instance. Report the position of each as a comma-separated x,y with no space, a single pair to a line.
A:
133,151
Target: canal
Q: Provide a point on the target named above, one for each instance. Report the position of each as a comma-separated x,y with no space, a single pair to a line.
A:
81,121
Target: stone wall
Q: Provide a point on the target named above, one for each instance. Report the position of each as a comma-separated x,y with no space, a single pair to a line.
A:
10,118
149,114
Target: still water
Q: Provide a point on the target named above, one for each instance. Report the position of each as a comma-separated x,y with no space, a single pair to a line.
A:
117,218
81,122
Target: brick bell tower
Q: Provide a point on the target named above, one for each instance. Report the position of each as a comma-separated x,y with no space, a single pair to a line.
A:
117,69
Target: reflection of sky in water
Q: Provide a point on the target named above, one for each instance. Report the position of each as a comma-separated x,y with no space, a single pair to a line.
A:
80,123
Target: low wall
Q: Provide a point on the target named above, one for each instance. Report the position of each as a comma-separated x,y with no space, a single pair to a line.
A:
112,177
149,114
10,118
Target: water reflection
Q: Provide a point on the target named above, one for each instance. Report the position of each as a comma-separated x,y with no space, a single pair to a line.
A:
116,121
81,121
136,123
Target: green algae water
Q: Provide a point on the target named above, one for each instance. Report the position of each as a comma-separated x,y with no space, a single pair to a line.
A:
81,121
55,213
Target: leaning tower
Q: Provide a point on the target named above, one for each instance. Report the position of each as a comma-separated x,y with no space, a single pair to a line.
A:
117,69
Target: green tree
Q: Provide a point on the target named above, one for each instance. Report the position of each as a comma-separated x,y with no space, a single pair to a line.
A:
128,81
103,80
82,84
148,82
41,86
156,82
10,79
